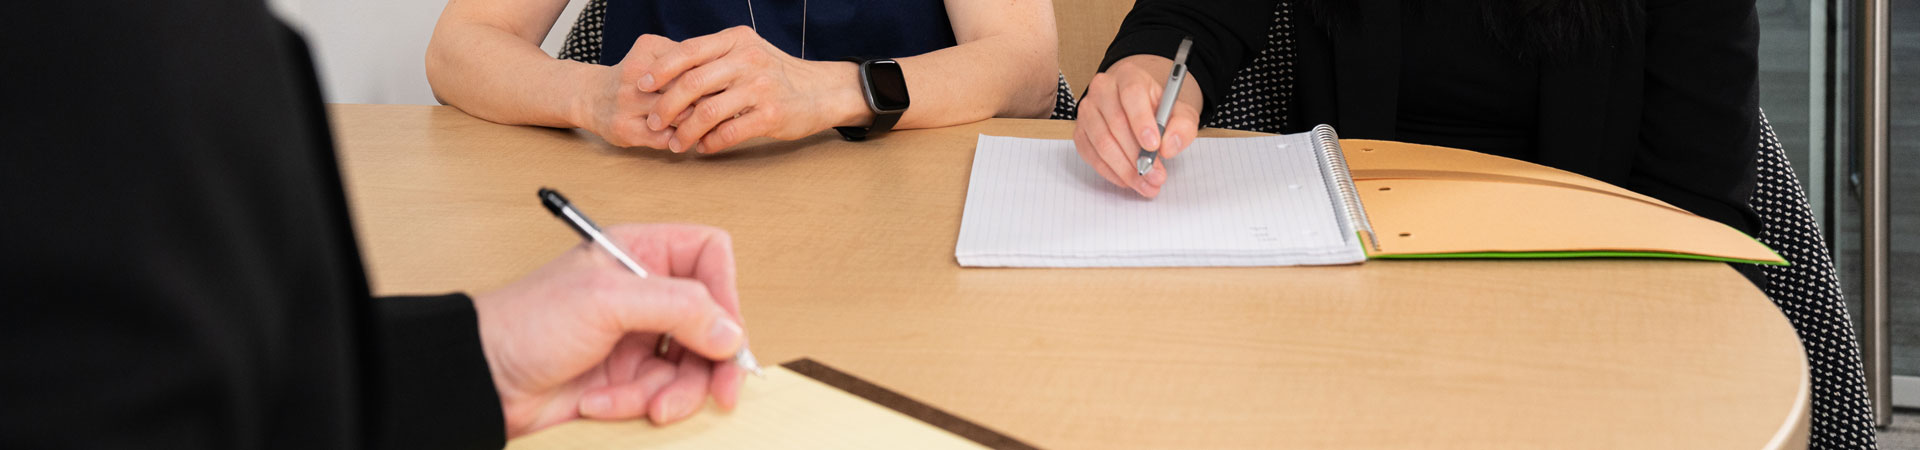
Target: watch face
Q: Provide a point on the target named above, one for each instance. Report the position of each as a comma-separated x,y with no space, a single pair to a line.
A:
889,85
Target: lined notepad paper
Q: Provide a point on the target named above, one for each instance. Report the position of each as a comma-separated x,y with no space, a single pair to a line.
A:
1261,201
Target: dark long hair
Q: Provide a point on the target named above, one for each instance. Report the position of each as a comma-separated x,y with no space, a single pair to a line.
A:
1537,29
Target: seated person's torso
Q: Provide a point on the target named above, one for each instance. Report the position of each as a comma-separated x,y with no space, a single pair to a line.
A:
825,30
1461,88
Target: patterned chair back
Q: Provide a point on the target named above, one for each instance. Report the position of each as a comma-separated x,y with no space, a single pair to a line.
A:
583,41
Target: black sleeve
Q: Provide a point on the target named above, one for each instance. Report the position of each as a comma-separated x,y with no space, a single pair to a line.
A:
429,385
181,272
1226,34
432,388
1700,125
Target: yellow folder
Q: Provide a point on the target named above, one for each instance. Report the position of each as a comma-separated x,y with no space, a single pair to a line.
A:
1436,202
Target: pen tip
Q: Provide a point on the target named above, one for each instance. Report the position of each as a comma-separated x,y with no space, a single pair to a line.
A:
746,361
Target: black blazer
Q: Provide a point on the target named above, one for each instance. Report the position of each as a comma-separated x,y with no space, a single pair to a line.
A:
180,270
1670,111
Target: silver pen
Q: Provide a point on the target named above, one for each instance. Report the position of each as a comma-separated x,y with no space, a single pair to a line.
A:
573,217
1168,95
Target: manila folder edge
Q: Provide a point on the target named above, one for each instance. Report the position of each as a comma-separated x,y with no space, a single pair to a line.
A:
1436,202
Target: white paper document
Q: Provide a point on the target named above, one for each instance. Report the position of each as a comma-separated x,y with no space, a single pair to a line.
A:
1261,201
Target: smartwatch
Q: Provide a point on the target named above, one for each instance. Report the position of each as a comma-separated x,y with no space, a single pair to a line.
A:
885,88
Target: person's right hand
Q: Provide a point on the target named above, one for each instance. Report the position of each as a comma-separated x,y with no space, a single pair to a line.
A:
576,338
1116,121
615,108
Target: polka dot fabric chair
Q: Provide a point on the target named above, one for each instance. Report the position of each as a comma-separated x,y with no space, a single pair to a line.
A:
1808,291
583,41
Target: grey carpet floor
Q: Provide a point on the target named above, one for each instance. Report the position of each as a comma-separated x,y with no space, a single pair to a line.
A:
1905,431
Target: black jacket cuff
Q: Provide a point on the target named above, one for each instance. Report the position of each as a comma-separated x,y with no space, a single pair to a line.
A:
1163,42
431,384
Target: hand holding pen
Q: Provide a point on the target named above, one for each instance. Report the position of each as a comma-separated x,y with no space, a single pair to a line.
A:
578,337
564,210
1117,131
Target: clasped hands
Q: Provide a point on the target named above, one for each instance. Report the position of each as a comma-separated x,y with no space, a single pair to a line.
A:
710,93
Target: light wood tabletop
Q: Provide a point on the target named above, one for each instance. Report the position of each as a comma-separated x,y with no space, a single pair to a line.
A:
845,254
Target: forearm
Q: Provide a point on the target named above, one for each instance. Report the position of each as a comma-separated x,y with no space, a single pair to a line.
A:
1005,65
999,76
1225,33
495,75
950,86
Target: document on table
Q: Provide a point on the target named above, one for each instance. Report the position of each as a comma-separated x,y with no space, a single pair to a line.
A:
1259,201
785,410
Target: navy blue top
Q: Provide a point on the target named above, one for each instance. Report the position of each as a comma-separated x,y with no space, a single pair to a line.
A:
835,29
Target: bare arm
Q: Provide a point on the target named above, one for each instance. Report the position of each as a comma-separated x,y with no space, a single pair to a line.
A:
485,59
1006,65
722,89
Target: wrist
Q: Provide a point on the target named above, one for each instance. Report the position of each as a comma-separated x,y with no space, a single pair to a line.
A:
846,98
595,88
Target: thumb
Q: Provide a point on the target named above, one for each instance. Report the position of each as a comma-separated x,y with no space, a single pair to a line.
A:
1183,126
679,306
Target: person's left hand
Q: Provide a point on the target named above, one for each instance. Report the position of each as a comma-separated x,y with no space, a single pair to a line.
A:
721,89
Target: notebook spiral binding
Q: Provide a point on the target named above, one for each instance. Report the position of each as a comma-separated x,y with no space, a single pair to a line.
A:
1333,163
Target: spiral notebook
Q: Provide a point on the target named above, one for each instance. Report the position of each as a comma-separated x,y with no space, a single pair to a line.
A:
1304,199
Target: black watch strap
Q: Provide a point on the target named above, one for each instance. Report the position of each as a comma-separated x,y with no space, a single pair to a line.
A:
882,121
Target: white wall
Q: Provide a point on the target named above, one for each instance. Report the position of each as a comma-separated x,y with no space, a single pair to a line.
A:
373,51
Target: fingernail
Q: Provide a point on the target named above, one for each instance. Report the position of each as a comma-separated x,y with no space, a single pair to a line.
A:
1157,177
596,405
1140,186
653,122
673,143
724,334
1148,139
646,82
661,413
1173,143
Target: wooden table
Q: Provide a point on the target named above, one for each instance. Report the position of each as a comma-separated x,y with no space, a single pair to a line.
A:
846,256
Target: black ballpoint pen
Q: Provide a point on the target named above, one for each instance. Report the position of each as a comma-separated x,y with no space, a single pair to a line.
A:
563,209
